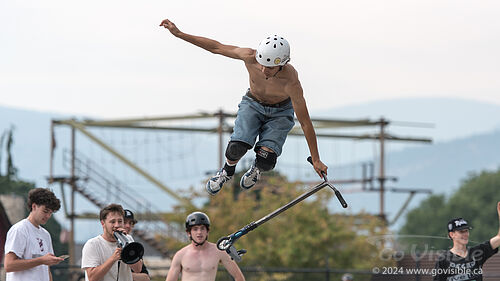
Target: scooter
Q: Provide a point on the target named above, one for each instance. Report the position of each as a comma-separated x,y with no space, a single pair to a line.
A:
226,243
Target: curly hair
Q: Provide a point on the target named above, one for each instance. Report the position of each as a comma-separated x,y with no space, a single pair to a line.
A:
43,197
111,208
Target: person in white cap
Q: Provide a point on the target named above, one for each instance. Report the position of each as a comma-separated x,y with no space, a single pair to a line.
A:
463,263
266,110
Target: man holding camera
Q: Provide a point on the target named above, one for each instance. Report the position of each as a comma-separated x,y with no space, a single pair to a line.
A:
101,255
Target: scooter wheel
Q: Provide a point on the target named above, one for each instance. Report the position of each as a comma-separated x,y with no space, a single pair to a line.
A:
224,243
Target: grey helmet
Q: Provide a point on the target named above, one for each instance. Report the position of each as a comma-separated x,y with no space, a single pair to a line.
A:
197,218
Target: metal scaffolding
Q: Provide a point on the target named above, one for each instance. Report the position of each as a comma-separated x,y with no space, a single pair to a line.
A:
223,126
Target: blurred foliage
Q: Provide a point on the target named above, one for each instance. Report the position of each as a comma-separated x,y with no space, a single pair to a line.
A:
475,201
306,235
13,186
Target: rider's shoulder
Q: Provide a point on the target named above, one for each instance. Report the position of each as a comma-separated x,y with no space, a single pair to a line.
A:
288,67
290,72
247,52
212,245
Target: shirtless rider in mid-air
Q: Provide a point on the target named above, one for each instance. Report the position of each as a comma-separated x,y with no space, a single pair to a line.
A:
266,110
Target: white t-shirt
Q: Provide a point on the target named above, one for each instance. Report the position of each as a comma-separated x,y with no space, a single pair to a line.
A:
28,242
96,251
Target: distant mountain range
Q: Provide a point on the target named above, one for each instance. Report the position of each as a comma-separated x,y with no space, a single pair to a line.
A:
466,138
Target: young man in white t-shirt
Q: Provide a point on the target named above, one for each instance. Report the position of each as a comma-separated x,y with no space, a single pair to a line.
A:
101,255
28,247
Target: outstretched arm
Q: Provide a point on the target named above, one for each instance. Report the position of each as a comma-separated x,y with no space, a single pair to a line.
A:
294,90
210,44
495,241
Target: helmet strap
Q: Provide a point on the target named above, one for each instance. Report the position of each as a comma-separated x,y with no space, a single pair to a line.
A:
196,243
281,68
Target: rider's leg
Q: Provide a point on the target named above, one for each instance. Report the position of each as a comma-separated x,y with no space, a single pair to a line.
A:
234,151
265,160
273,133
245,132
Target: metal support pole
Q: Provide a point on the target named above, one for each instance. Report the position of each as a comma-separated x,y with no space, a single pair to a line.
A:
221,134
327,268
71,241
382,168
52,147
363,183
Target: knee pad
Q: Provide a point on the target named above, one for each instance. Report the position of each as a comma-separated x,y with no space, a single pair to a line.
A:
236,149
265,160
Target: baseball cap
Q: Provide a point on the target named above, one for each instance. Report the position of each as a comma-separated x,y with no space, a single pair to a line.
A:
457,224
129,215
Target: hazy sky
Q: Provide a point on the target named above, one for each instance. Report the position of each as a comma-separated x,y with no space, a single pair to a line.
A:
111,59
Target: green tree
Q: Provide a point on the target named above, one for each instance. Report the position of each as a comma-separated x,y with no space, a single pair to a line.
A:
305,235
475,201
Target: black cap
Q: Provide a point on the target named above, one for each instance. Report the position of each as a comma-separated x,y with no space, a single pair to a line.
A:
457,224
129,215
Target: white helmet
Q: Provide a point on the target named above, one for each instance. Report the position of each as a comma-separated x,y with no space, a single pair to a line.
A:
273,51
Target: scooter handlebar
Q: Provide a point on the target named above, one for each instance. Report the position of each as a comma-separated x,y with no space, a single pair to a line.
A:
337,193
310,160
341,199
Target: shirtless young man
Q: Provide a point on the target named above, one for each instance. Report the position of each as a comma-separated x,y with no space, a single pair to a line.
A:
199,260
266,110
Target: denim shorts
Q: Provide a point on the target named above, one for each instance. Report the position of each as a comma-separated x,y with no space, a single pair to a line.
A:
271,124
